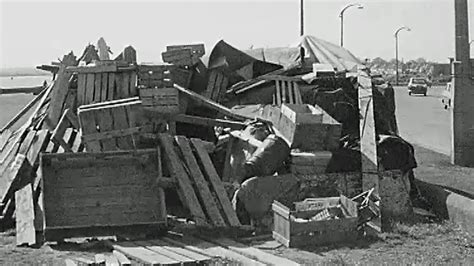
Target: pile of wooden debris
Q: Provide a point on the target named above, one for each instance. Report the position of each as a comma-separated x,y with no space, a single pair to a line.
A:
114,146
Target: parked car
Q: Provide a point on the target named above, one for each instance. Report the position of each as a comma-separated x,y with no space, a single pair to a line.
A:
417,86
447,95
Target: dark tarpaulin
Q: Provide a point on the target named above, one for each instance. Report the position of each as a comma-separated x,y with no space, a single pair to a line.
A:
236,62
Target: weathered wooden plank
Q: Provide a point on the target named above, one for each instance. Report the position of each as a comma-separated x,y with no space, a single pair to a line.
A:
105,120
210,104
165,252
111,260
88,125
212,250
368,144
196,257
90,83
92,69
177,171
99,259
216,182
197,49
122,259
202,186
143,254
5,138
204,121
70,262
111,87
58,134
133,84
120,117
118,86
24,209
104,87
97,87
278,93
124,87
81,89
255,253
59,90
179,57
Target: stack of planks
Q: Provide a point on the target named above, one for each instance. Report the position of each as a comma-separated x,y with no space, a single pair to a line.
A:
186,250
197,181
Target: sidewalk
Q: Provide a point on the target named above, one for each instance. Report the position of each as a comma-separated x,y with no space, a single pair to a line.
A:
434,167
452,196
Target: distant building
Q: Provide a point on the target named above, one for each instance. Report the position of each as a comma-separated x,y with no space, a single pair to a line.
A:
441,69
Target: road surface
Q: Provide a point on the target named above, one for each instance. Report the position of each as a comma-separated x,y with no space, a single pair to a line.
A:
423,120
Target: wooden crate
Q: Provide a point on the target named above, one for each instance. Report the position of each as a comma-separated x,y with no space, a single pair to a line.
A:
292,233
105,83
311,136
114,125
314,162
302,113
154,76
161,100
91,194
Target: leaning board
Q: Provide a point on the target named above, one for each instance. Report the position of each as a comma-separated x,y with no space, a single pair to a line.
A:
90,194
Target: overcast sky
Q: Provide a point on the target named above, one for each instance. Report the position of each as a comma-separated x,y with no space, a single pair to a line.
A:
38,32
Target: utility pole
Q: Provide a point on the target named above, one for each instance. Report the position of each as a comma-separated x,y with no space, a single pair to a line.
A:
462,149
396,50
302,29
341,15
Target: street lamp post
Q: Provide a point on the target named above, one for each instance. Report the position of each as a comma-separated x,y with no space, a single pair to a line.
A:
396,50
341,15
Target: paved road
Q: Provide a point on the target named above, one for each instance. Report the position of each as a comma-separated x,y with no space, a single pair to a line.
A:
423,120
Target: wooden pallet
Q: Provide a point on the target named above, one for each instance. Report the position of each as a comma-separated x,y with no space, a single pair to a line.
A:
114,125
91,194
198,181
189,250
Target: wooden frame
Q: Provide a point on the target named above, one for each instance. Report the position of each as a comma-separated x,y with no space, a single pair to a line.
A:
89,194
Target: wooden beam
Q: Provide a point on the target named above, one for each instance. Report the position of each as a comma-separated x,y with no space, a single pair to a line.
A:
216,182
177,171
202,186
211,104
59,90
25,215
204,121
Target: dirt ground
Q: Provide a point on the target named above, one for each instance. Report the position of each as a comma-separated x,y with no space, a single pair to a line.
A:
425,242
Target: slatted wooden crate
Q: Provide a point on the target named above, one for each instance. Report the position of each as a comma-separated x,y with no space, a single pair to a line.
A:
105,83
154,76
216,85
96,194
311,136
163,100
286,91
114,125
162,76
292,232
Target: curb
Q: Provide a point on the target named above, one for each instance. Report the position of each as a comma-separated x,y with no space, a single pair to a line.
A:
449,205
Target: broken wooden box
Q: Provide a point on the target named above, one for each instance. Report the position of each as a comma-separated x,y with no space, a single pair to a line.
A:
308,128
97,194
116,125
319,221
309,162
